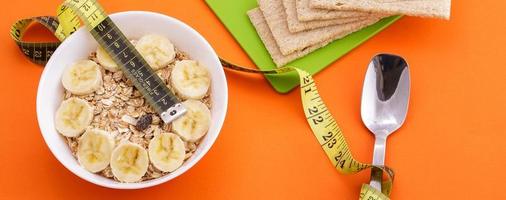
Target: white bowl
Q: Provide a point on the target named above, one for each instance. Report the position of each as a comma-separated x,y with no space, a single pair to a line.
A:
134,25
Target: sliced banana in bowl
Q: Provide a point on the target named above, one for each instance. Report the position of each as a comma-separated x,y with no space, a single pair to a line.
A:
190,79
82,77
195,123
106,61
129,162
73,117
94,150
157,50
166,152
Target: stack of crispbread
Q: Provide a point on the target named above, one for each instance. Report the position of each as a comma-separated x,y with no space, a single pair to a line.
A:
290,29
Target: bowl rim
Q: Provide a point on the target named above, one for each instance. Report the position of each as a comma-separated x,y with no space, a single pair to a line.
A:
144,184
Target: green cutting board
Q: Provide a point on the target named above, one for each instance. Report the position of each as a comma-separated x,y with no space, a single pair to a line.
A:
233,15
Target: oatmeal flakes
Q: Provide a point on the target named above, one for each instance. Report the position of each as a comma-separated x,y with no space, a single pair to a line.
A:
129,120
156,120
107,102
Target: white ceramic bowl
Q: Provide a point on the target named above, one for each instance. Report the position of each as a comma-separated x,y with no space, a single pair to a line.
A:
134,25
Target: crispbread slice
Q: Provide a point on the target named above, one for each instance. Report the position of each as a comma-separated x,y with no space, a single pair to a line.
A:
289,42
422,8
306,13
294,25
257,19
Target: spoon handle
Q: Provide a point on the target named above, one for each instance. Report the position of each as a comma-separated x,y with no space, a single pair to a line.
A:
378,159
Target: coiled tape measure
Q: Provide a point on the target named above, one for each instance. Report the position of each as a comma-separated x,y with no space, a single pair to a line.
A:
108,35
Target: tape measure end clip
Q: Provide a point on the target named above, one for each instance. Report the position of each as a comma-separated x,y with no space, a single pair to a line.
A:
174,112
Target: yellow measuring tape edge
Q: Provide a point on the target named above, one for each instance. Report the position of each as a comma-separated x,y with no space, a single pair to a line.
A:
323,125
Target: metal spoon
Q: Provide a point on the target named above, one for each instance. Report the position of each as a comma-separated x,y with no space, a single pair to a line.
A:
385,98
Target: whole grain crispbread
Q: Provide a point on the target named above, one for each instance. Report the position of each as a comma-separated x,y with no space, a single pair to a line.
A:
421,8
295,25
289,42
306,13
258,21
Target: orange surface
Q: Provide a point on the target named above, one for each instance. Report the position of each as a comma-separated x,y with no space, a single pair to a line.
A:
452,145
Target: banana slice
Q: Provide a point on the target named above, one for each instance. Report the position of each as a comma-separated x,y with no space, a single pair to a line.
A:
94,150
166,152
73,116
106,61
190,79
129,162
195,123
157,50
82,77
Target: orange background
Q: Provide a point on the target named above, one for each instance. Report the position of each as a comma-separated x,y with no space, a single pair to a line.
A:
452,145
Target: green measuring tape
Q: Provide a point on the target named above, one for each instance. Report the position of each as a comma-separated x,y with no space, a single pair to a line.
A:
107,34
